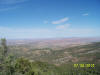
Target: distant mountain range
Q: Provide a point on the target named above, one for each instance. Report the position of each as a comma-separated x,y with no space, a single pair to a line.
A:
53,43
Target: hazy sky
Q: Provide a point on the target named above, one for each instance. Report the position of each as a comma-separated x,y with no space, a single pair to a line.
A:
49,18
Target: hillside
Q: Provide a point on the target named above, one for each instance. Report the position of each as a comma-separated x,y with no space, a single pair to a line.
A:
27,60
81,53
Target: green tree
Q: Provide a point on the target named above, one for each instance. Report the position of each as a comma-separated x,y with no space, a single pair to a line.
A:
4,46
22,65
6,62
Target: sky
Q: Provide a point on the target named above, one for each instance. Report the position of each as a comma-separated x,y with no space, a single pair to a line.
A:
23,19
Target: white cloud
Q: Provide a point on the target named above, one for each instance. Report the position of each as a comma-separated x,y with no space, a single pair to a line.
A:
45,22
63,27
86,14
6,9
60,21
46,33
24,32
80,31
10,4
11,1
21,30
